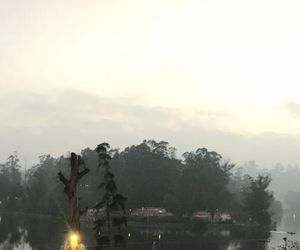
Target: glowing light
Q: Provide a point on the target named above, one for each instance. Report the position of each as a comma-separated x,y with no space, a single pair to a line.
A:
74,240
74,237
159,236
129,235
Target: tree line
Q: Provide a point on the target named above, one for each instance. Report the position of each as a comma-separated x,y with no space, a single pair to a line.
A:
149,174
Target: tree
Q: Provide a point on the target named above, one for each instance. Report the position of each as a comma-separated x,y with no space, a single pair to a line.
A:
276,211
147,172
11,188
71,190
203,184
42,188
171,203
112,204
258,199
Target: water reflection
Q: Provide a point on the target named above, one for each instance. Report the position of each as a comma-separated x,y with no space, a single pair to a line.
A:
11,233
289,228
38,233
214,238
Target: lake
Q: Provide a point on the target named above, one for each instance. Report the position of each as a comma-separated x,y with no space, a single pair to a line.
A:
41,233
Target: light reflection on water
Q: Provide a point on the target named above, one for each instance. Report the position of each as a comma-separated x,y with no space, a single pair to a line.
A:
32,233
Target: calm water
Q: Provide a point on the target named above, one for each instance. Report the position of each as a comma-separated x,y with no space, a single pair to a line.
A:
30,233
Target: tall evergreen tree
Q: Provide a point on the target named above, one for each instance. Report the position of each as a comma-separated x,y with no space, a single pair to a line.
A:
112,204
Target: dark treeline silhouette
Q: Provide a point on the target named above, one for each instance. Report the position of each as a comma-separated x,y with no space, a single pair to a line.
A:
149,174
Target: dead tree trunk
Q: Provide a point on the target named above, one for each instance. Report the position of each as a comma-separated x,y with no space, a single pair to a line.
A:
71,190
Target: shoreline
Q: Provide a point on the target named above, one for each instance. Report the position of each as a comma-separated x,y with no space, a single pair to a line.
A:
143,222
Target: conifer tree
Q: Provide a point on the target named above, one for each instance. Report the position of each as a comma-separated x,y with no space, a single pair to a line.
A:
112,206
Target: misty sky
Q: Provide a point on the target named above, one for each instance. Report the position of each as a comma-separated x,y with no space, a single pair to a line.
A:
217,74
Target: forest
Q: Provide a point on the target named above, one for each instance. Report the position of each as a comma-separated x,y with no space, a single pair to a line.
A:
149,174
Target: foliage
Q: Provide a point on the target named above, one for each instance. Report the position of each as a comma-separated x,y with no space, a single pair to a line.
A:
10,183
149,173
203,181
112,204
43,191
258,199
276,211
171,203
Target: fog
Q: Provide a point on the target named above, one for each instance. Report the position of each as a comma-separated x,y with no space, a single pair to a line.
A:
198,100
35,124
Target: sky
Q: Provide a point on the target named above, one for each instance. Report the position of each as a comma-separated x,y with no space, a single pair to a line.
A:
217,74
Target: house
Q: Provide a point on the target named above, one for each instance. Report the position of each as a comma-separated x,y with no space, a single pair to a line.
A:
150,211
202,215
207,216
222,217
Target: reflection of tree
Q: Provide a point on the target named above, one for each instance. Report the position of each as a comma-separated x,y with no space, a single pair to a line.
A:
215,238
175,239
44,233
34,232
10,229
252,238
48,234
292,216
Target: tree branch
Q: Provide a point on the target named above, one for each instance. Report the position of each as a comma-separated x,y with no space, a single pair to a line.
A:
82,173
99,205
63,179
83,211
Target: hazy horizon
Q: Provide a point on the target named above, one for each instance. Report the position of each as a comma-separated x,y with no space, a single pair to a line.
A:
216,74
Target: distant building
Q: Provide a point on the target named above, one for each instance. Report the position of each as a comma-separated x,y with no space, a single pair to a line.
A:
207,216
150,211
202,215
94,212
222,217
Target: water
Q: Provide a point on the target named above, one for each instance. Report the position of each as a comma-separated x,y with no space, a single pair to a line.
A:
43,233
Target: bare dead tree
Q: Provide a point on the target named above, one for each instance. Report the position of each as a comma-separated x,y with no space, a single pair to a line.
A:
76,164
